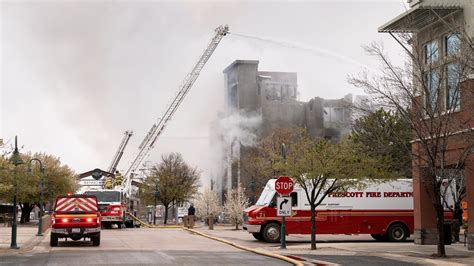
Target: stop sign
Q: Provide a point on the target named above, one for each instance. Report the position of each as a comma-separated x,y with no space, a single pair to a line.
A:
284,185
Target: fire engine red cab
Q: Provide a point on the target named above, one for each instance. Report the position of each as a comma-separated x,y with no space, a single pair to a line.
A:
382,209
75,217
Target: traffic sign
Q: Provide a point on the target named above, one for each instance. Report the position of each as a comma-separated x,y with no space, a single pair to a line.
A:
284,185
284,206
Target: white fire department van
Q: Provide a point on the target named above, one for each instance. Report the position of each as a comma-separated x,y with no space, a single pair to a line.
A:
382,209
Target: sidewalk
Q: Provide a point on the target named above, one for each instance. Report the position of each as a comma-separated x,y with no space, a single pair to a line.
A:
347,248
26,238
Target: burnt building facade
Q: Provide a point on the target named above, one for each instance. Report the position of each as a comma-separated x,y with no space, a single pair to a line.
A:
273,98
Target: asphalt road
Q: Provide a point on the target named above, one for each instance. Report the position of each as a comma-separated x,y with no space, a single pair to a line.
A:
140,246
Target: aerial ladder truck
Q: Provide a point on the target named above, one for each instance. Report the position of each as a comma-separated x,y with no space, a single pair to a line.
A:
129,200
109,195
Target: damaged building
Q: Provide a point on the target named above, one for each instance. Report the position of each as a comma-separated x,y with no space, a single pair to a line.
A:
273,96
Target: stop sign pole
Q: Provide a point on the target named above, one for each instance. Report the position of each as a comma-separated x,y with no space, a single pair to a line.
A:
284,186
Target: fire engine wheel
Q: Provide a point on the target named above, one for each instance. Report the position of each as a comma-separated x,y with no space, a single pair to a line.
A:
379,237
96,239
397,232
271,233
53,240
258,236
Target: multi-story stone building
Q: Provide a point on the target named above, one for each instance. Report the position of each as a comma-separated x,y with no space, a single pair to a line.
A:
441,37
273,97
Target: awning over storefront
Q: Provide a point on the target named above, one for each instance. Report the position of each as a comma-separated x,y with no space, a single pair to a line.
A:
418,18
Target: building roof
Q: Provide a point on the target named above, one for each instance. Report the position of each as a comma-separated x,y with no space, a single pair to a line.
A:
236,62
418,18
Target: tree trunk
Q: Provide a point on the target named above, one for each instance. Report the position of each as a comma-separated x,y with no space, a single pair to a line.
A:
440,225
313,227
166,214
26,209
236,225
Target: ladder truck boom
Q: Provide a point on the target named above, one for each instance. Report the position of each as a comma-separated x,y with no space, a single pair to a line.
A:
157,128
119,153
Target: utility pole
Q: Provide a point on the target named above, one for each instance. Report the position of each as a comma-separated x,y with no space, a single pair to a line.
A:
157,194
16,160
283,226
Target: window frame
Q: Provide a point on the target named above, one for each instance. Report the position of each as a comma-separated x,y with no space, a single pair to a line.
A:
447,102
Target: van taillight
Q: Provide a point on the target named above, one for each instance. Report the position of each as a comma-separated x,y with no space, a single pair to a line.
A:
65,220
89,220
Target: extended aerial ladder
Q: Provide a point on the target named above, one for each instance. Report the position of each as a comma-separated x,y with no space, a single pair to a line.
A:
118,155
148,142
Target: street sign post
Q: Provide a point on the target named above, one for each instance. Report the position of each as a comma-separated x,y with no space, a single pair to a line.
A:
284,186
284,206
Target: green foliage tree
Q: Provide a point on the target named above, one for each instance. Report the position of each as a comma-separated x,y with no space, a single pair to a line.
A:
172,182
26,177
319,166
387,135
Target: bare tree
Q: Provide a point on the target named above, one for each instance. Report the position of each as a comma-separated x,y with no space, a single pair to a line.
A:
427,91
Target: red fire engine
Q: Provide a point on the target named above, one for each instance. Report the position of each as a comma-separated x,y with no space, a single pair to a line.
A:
383,210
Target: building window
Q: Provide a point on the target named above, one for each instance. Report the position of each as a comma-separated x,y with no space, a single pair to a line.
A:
431,52
453,97
432,84
452,44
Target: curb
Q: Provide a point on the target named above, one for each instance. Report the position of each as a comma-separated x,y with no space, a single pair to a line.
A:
264,253
28,246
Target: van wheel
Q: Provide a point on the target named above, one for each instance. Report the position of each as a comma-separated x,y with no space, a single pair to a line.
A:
258,236
379,237
271,233
397,232
53,240
96,239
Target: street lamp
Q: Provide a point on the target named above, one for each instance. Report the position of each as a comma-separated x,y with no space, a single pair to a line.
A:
40,223
16,160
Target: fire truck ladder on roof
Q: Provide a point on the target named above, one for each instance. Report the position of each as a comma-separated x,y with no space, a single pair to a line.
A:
157,128
118,155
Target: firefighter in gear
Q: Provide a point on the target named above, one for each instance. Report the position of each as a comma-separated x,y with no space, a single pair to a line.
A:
109,183
118,178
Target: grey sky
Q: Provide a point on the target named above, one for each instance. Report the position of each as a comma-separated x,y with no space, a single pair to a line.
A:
77,74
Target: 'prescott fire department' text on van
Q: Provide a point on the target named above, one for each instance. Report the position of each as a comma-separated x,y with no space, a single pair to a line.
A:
383,210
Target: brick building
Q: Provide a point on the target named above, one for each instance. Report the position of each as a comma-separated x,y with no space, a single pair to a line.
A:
441,33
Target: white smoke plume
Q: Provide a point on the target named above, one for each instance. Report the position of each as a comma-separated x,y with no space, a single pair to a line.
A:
240,128
227,134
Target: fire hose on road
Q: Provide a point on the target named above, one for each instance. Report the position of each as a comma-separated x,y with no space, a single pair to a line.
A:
142,223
